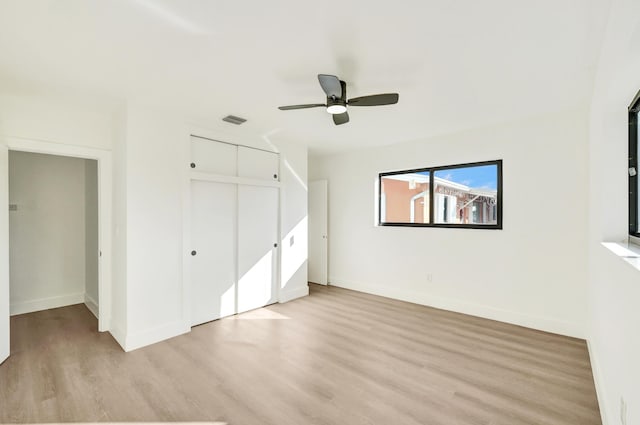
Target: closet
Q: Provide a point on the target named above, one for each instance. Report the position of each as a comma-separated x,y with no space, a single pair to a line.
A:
234,228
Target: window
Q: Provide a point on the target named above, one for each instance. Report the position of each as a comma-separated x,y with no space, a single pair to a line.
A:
634,110
465,195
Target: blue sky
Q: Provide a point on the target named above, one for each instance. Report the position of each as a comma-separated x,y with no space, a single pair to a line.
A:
483,177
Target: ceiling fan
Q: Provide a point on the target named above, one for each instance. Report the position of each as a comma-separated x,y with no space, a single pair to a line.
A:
337,102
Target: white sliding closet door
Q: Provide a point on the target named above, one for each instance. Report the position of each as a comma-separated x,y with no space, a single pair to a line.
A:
257,234
213,244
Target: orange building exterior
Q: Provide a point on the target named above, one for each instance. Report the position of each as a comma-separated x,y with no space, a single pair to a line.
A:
398,198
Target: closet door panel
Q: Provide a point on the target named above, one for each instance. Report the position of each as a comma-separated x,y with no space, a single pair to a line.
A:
209,156
258,164
213,245
257,234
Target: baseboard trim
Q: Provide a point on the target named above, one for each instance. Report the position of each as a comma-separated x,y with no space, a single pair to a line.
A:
598,382
46,303
119,335
292,294
136,340
92,305
540,323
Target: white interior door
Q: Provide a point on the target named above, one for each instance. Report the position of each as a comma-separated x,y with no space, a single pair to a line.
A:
213,245
318,232
4,253
257,234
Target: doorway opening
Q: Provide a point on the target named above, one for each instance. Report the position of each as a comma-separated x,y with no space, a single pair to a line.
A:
53,232
95,163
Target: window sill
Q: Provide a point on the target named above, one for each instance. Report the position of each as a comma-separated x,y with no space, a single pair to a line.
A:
629,252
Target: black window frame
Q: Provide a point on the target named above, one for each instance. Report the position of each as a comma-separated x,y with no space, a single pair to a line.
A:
634,109
432,171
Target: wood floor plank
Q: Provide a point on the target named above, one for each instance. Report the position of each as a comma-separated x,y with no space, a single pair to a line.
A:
335,357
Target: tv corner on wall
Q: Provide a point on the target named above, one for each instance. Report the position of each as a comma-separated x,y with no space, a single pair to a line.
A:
467,196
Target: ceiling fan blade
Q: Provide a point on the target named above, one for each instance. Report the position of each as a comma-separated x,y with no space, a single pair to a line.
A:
342,118
374,100
331,85
311,105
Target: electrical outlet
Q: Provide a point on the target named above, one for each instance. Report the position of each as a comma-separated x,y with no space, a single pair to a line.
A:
429,277
623,411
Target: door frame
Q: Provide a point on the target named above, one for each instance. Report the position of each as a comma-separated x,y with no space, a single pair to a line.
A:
5,309
103,157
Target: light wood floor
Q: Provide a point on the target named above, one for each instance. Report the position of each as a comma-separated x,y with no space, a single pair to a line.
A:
335,357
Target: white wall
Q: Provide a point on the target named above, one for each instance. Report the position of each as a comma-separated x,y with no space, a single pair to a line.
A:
47,232
119,300
155,169
55,119
614,289
530,273
91,233
293,220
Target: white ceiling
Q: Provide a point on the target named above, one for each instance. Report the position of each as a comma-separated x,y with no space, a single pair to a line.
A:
457,64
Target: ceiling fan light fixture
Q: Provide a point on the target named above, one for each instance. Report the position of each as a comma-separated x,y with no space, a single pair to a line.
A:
336,109
337,101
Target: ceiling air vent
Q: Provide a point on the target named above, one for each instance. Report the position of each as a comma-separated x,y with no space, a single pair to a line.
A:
233,119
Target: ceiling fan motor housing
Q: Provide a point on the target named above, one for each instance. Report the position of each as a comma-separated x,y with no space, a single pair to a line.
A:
342,100
334,101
